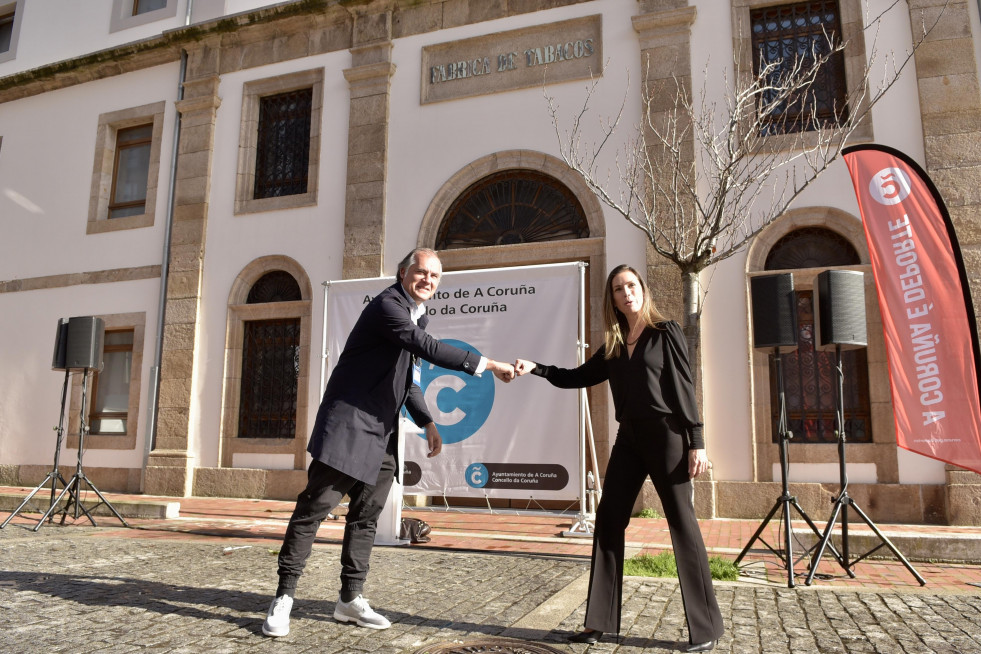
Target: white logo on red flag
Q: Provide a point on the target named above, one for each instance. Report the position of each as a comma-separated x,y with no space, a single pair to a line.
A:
889,186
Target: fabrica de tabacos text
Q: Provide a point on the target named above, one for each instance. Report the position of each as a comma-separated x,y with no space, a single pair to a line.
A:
556,52
537,56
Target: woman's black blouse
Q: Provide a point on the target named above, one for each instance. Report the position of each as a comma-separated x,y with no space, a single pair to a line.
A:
656,379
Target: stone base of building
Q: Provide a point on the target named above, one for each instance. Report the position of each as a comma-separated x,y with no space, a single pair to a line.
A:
958,502
885,503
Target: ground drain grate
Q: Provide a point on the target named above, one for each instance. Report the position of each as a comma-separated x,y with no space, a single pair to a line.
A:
488,646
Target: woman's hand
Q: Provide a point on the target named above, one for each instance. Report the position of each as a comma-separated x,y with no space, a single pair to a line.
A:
523,367
697,463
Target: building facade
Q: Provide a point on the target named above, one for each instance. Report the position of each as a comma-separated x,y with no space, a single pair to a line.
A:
192,172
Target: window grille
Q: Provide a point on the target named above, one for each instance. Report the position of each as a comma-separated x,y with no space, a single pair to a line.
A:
809,386
800,33
283,144
809,374
811,247
275,286
270,370
513,206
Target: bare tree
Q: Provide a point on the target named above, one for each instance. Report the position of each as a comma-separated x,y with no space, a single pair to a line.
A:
701,178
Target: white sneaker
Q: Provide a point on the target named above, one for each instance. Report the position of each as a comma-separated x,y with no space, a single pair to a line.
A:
278,618
357,610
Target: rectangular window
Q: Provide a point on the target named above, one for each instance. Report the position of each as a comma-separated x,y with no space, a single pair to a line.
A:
144,6
110,387
131,171
283,144
127,14
279,142
126,169
791,38
6,30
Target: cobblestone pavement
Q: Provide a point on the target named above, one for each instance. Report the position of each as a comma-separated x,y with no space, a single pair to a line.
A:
75,589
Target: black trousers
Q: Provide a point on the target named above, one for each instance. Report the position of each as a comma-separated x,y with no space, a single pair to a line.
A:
658,449
326,487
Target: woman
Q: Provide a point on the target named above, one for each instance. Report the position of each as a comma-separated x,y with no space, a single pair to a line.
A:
646,362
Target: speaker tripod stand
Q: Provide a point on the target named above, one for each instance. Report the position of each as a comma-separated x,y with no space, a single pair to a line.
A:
55,475
843,501
73,487
786,501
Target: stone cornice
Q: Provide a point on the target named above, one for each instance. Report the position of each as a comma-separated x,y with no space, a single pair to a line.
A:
76,279
313,17
155,51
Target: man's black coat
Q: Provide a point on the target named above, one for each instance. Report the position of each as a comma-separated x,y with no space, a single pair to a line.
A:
373,380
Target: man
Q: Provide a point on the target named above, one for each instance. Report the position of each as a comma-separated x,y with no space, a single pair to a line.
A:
355,437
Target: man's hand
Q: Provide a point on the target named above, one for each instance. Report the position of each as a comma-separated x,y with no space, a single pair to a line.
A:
503,371
523,367
434,440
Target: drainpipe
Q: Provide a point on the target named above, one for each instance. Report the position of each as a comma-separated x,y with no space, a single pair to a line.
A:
154,396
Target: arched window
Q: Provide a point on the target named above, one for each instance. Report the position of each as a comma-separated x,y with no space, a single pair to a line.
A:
512,206
811,247
809,374
270,363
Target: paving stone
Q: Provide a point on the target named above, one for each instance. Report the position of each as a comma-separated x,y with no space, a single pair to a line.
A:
71,589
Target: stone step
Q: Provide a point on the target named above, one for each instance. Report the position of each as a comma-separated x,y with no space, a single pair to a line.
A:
914,545
151,509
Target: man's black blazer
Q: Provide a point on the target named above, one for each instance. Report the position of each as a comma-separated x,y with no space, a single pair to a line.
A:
373,380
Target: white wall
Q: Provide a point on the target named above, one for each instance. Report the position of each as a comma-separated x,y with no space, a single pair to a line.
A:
31,391
46,176
45,186
46,168
431,143
726,354
313,236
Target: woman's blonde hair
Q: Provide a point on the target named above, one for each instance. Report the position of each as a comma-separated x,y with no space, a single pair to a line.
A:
615,323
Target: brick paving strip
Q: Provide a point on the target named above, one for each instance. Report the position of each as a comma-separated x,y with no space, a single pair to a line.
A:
79,588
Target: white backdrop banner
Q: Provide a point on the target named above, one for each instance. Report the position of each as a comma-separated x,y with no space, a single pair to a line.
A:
517,440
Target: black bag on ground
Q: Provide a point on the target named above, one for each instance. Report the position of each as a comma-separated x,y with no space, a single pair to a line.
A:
415,530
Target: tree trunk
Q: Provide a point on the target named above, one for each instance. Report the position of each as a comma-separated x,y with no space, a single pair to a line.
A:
691,325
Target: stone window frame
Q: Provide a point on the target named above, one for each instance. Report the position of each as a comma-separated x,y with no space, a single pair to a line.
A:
882,451
103,167
136,322
122,17
239,312
850,15
252,93
17,7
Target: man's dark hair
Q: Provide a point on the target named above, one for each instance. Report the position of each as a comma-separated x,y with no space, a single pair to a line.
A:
411,258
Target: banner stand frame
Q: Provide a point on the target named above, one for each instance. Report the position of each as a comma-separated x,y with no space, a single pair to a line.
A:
588,496
590,489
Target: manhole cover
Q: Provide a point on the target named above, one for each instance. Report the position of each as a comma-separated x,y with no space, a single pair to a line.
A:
488,645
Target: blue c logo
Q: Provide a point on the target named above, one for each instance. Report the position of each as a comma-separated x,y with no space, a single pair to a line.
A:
477,475
460,403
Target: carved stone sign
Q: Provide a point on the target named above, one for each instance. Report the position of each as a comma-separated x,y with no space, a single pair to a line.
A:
557,52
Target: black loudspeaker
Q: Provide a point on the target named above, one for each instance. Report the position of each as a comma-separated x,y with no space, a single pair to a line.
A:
86,336
841,309
61,345
774,311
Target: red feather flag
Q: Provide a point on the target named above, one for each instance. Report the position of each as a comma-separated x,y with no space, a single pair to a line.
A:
927,314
